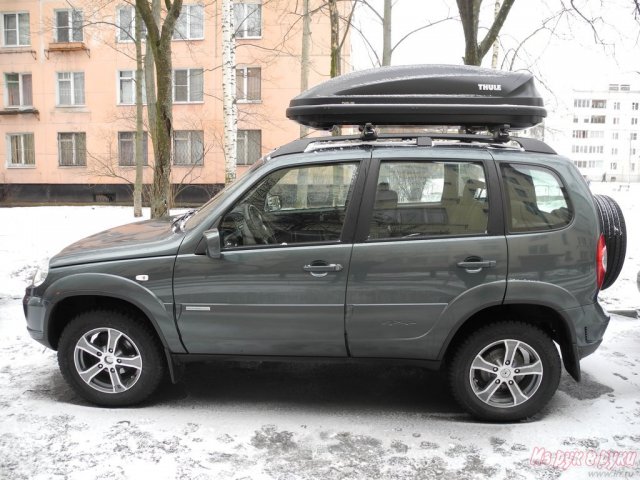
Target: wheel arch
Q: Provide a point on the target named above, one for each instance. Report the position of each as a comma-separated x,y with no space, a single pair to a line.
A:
550,320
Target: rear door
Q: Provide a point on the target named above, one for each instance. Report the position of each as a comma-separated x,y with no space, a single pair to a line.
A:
429,234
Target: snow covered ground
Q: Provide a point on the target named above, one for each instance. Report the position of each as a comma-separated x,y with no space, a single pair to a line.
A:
301,421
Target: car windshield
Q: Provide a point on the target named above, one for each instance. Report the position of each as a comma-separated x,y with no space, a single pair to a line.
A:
203,212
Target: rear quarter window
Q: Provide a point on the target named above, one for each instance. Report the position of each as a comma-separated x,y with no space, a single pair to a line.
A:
537,199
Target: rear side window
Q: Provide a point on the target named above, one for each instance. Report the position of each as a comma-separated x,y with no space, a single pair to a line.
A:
418,199
537,199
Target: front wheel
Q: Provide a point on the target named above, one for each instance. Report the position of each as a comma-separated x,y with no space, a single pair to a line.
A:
506,371
110,358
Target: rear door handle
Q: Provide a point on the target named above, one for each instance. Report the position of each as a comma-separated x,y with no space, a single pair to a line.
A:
475,266
331,267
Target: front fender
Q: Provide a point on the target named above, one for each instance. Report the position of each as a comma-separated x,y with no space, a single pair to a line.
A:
106,285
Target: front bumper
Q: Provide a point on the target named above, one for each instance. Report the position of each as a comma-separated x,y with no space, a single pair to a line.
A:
34,311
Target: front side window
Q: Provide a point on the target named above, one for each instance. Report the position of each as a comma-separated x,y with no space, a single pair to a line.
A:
249,146
127,88
126,24
424,199
127,149
298,205
72,149
190,23
69,25
21,150
248,19
537,199
70,88
18,90
248,88
188,147
16,29
188,85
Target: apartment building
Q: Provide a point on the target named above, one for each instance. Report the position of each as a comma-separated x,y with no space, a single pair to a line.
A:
67,123
604,133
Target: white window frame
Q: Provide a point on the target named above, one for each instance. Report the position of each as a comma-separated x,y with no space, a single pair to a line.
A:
190,142
4,38
244,78
186,10
21,105
73,90
241,30
145,147
57,28
189,73
74,149
244,159
122,36
132,79
22,164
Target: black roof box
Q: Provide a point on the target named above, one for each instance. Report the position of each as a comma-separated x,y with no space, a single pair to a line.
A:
467,96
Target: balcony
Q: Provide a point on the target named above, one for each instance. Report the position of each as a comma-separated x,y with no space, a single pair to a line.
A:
62,47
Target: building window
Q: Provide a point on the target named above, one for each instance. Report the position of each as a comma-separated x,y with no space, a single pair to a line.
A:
249,146
127,88
69,25
18,90
616,120
248,84
248,18
633,167
190,23
70,88
126,24
575,119
580,133
187,85
616,105
614,87
634,121
596,134
127,149
72,149
615,136
598,118
598,104
634,106
188,147
581,103
634,135
633,151
625,88
21,149
16,29
614,151
614,166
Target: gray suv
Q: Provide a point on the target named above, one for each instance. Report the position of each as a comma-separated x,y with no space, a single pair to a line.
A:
481,254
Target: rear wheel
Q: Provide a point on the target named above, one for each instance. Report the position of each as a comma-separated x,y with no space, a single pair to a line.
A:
505,371
110,358
614,229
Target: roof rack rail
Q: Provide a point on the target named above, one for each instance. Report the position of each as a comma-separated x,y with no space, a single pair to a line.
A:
421,139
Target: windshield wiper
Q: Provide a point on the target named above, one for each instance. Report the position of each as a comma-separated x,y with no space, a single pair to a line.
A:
181,220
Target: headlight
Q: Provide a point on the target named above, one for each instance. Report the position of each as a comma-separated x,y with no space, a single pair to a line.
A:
40,275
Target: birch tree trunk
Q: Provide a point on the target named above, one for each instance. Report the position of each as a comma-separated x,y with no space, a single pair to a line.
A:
304,55
150,80
137,187
229,106
496,46
336,57
386,34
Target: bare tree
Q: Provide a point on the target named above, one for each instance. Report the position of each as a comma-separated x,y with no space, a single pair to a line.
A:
304,54
137,188
159,39
470,17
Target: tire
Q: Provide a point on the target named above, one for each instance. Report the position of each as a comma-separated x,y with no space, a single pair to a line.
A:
475,389
614,229
127,377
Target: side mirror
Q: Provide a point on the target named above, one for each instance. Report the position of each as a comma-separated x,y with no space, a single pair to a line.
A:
212,238
273,203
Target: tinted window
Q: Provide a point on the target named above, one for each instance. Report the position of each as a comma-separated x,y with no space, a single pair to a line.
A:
292,206
415,199
537,199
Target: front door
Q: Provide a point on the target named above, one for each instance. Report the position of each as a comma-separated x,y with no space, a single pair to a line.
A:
426,242
279,286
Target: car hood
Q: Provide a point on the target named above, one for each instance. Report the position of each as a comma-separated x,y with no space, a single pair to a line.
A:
150,238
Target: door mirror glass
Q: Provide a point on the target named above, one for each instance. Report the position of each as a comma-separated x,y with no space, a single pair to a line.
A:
273,203
212,237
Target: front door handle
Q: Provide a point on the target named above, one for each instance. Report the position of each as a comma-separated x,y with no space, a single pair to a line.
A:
323,268
475,264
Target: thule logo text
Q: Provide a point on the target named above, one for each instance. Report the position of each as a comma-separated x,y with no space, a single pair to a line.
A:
489,86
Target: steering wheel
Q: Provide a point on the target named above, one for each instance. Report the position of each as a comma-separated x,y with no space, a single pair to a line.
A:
258,230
